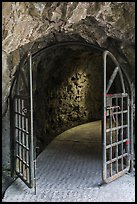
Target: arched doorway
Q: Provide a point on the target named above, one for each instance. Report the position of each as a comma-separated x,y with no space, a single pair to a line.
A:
117,116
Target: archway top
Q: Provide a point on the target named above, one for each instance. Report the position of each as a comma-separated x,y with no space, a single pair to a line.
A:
92,46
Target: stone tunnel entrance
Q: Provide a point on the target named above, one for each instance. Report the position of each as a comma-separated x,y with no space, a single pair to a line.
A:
68,92
66,86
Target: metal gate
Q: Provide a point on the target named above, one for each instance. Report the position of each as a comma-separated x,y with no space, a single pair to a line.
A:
116,151
21,117
117,122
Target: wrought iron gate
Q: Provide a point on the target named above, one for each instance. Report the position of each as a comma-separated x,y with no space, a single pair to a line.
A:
21,117
116,151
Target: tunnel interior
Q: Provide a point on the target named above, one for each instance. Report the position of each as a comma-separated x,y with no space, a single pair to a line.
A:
68,90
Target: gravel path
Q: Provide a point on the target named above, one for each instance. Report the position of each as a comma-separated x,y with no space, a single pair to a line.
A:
69,170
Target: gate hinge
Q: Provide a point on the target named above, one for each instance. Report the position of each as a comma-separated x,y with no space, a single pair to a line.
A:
132,157
130,104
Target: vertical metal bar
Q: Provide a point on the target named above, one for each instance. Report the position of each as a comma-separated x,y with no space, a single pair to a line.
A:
122,130
21,141
128,130
16,130
25,146
12,137
104,172
110,119
117,136
33,179
18,136
131,121
131,137
27,129
23,136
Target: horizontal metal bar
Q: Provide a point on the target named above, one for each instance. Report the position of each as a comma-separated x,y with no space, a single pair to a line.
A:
115,113
120,173
25,97
22,130
25,116
115,159
22,145
112,107
116,128
25,163
20,175
116,143
118,95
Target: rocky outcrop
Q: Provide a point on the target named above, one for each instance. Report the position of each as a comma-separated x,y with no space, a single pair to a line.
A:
24,22
34,24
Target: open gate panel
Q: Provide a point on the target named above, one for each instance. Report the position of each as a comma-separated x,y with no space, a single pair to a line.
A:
117,135
22,139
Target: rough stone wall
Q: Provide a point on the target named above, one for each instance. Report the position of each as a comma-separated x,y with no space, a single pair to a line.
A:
69,96
6,141
108,24
35,24
24,22
6,81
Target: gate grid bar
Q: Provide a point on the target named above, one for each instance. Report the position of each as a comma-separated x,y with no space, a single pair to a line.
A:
117,133
22,143
115,126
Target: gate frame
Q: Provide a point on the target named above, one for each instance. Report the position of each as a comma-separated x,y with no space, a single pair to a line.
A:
45,49
106,88
131,102
28,86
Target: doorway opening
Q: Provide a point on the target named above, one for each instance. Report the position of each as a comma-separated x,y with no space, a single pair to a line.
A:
65,85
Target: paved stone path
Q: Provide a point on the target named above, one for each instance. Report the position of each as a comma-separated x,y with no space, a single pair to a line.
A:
69,170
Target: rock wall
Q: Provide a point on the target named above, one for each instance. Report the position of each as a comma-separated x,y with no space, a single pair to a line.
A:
33,25
24,22
68,95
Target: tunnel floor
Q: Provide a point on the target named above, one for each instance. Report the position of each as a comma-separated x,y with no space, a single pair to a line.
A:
69,170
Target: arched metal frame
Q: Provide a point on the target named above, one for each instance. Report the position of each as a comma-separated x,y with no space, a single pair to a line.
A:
31,56
130,151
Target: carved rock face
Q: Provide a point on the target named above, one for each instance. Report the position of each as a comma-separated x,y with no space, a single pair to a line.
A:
24,22
107,24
